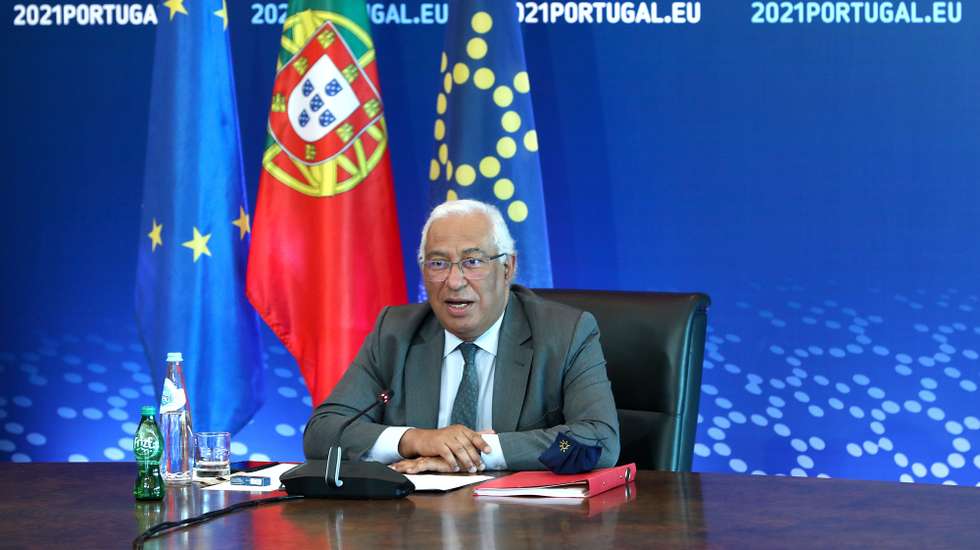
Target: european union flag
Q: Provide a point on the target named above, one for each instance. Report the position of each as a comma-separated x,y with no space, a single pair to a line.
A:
486,144
194,234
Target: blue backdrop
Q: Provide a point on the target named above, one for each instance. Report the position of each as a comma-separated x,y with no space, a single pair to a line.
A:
817,176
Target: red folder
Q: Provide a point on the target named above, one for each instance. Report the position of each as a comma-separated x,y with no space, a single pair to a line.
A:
547,484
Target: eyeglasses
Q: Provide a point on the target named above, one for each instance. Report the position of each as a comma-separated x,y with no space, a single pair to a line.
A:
473,268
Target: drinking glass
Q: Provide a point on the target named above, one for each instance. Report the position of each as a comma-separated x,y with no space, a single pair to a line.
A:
212,455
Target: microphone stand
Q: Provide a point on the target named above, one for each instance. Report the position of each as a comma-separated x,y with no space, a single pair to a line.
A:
335,453
336,478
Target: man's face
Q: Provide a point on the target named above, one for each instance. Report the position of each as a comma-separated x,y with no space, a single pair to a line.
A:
465,307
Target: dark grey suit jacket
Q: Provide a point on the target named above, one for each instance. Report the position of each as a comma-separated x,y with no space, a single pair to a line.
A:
550,377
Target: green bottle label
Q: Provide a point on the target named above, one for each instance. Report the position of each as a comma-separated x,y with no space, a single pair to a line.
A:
147,445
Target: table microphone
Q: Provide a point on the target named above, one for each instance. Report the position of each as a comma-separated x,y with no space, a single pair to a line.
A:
337,478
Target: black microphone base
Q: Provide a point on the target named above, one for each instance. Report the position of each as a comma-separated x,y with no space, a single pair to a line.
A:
361,480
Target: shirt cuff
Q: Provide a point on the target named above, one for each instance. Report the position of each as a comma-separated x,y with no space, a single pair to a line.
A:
385,449
494,460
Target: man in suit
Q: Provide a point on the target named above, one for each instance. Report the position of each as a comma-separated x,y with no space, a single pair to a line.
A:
484,376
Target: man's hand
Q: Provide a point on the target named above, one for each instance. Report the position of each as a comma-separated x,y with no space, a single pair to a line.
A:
458,446
423,464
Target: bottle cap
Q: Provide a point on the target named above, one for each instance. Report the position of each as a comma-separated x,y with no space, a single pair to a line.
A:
175,357
148,410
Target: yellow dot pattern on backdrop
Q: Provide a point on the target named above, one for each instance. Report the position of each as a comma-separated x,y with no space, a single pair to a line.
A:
521,82
503,189
531,141
501,88
483,78
465,175
506,147
489,167
517,211
503,97
481,22
511,121
461,73
476,48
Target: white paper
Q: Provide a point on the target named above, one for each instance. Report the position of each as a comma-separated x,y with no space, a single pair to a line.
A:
436,482
272,472
572,491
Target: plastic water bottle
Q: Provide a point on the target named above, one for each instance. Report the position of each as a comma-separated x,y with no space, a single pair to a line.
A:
148,447
175,423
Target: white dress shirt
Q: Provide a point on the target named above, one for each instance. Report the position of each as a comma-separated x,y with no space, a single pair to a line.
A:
385,449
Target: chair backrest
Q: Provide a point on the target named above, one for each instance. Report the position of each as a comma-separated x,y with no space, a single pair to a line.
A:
654,348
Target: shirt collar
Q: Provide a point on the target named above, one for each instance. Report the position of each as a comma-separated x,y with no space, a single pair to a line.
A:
487,341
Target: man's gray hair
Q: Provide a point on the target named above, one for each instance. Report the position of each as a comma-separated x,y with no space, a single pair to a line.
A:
501,235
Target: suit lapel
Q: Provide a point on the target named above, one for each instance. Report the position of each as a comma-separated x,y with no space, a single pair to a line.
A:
514,352
423,373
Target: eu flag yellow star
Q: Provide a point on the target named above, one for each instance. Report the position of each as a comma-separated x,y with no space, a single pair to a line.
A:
155,238
242,223
199,244
175,6
223,14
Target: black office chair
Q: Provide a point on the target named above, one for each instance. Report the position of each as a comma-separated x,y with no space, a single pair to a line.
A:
654,347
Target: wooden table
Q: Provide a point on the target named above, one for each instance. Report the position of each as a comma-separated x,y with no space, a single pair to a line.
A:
91,506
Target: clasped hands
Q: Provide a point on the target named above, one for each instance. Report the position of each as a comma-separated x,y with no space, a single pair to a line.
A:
451,449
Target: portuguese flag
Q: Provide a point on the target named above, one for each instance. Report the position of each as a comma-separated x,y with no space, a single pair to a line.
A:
326,255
